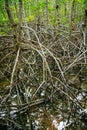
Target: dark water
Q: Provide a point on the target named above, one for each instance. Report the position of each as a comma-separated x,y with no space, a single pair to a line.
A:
40,122
60,113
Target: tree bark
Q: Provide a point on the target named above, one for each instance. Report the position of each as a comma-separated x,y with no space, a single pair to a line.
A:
7,7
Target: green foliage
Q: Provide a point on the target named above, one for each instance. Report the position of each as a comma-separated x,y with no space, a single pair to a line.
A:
30,18
34,8
85,1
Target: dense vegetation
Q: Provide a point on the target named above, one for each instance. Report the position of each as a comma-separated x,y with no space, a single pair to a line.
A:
43,64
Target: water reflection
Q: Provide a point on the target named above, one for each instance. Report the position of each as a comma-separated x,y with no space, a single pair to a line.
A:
60,113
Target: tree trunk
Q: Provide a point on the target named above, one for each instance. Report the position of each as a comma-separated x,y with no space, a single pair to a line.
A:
7,7
84,28
57,12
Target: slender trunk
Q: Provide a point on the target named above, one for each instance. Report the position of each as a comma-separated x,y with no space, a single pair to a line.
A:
10,17
7,7
84,29
20,19
73,10
65,12
72,23
37,16
47,11
57,12
16,9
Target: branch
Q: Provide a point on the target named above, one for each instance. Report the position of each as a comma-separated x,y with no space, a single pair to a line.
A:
14,68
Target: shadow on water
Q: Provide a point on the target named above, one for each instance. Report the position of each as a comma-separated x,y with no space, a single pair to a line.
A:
41,119
44,115
78,126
